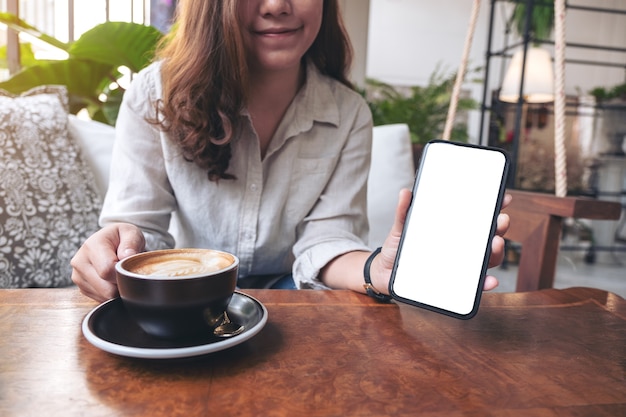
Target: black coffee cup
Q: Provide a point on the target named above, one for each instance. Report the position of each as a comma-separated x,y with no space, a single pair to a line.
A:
177,293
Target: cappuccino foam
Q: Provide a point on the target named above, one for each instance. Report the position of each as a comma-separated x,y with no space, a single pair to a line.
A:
180,264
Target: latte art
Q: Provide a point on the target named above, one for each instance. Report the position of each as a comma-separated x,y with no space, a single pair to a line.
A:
181,264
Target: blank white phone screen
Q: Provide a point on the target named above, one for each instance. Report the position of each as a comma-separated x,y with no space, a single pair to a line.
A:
447,233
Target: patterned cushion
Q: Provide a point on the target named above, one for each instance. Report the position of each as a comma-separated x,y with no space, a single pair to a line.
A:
48,197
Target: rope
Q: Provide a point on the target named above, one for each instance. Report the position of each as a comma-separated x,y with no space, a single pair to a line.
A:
560,160
461,73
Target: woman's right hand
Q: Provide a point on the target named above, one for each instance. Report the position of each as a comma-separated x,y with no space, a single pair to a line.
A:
93,265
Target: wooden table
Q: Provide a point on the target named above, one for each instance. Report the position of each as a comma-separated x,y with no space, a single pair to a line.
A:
331,353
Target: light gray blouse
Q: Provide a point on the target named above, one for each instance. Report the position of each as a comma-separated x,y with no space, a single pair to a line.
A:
296,209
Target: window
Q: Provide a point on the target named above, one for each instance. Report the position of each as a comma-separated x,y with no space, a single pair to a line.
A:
66,20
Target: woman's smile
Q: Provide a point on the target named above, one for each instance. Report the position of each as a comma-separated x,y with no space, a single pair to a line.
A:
277,34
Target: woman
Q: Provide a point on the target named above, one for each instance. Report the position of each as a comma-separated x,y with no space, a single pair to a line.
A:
246,136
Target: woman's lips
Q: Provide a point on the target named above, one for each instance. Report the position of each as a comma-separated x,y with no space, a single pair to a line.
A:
276,31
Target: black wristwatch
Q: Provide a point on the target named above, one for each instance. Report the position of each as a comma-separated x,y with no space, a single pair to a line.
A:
369,288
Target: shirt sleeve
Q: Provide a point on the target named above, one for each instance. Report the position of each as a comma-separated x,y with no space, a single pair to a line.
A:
337,224
139,191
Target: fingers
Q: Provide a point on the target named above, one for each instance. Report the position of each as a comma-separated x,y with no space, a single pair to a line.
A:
507,200
491,282
503,224
498,244
497,251
93,266
95,288
93,270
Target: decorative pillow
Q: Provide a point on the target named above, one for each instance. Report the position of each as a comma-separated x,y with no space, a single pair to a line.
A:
49,202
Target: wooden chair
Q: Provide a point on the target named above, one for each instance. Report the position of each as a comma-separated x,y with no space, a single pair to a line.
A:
536,223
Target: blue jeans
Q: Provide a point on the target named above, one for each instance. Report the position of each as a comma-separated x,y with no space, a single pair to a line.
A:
285,283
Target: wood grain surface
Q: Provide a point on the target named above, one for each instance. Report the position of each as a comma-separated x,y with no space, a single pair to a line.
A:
331,353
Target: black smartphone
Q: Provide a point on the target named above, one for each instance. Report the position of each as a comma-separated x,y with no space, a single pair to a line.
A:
444,251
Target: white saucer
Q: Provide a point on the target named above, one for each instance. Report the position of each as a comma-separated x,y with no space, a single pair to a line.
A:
109,328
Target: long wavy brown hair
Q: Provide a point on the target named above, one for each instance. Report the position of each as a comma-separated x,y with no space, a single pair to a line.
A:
205,76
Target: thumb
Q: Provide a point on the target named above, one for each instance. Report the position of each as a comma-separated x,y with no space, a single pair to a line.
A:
404,200
390,247
131,241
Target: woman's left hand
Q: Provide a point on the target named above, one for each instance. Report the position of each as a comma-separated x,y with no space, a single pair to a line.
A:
383,264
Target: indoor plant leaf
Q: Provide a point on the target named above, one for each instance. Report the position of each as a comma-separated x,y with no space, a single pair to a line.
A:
27,57
92,66
541,20
83,79
19,25
111,106
118,44
423,108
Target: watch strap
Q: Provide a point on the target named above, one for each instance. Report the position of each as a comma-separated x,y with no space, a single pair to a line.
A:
369,288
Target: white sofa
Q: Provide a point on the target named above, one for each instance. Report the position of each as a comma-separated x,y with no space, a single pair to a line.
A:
392,169
96,141
54,170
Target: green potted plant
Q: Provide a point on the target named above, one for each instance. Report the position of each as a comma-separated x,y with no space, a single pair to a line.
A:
423,108
91,72
603,94
541,19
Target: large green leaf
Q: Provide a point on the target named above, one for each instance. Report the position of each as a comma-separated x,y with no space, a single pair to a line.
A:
27,57
117,44
82,78
19,25
92,65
